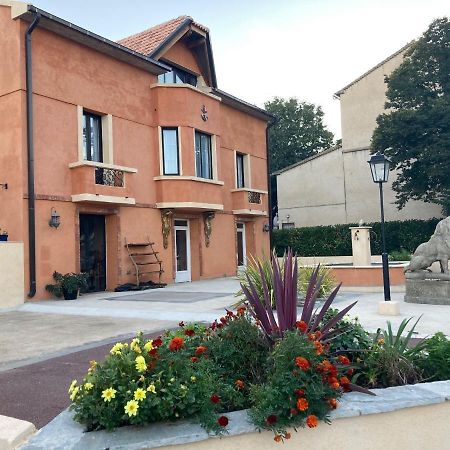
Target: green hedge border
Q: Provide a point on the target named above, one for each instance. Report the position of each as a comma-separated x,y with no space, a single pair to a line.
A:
335,240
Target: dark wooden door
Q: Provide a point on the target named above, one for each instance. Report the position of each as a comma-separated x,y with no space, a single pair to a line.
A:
93,250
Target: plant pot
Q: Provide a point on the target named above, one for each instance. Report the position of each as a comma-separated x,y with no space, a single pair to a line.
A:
70,295
3,237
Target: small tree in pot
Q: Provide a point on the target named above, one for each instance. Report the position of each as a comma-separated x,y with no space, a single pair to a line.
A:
67,285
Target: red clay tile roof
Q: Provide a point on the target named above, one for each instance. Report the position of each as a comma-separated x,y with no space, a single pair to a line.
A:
148,40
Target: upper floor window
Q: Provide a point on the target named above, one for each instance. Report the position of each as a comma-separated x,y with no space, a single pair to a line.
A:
92,137
170,153
240,170
178,76
203,155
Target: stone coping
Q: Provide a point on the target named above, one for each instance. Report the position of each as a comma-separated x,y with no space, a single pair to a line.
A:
63,433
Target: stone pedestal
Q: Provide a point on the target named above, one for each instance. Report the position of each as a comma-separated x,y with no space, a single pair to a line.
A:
425,290
388,308
12,285
361,246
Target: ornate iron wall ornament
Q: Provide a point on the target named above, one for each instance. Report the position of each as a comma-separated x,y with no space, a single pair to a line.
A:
207,225
166,225
204,114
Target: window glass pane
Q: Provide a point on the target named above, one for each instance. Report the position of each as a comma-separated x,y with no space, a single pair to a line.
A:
240,170
198,155
85,133
181,247
203,155
92,137
170,151
240,248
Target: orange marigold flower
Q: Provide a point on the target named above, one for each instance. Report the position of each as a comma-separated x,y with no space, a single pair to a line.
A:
333,403
200,349
277,438
333,382
303,363
312,336
344,380
176,343
311,421
241,310
319,347
343,359
318,334
239,384
302,404
301,325
194,359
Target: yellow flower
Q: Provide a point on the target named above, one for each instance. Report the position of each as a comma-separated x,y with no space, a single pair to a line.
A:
131,408
148,345
135,345
141,365
72,386
116,350
172,380
139,394
193,379
183,387
108,394
142,378
74,393
152,389
93,364
88,386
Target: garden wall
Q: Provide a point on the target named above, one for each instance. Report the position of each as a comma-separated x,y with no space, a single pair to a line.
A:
335,240
414,417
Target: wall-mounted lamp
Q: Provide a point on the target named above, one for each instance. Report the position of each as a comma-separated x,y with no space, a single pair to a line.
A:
266,228
4,185
54,219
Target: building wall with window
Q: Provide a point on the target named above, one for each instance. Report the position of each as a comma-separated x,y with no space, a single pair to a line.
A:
336,186
126,184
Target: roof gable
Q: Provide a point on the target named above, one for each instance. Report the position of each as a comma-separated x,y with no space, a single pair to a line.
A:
158,40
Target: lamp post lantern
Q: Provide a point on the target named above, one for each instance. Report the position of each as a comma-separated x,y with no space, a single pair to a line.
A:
379,166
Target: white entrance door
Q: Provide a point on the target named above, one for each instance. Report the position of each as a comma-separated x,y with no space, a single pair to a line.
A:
241,246
182,251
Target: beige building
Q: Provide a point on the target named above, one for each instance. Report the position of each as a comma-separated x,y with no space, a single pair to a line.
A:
336,186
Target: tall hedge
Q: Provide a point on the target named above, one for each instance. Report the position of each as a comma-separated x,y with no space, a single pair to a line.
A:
335,240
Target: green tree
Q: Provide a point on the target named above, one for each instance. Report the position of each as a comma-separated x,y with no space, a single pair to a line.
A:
415,132
299,132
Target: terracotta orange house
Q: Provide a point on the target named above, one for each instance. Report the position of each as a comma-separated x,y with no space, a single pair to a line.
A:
104,144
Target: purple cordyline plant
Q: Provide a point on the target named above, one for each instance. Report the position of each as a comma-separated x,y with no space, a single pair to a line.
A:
283,295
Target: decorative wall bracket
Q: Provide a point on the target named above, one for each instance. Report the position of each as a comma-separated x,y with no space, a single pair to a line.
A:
207,226
166,225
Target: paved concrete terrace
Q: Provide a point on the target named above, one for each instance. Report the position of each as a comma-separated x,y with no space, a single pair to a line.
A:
56,327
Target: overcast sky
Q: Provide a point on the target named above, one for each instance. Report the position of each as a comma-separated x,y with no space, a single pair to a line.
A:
307,49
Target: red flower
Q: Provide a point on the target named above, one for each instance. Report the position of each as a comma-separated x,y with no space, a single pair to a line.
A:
222,421
312,336
343,360
333,403
215,398
301,325
311,421
194,359
299,392
189,332
157,342
303,363
224,320
287,436
333,382
319,347
230,313
239,384
153,351
241,310
302,404
200,349
176,344
271,419
277,438
293,411
350,372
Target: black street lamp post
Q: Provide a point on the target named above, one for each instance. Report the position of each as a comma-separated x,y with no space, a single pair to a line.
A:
379,166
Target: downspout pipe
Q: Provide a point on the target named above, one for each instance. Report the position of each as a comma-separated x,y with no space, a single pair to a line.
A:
270,124
30,154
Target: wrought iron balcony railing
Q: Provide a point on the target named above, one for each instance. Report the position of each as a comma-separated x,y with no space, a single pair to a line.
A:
254,197
109,177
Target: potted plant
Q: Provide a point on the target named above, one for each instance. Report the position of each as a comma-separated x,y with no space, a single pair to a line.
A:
3,235
67,285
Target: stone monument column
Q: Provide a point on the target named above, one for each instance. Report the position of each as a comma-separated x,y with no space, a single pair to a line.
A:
362,255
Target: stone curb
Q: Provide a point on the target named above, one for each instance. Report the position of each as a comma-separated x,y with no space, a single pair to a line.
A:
63,433
14,432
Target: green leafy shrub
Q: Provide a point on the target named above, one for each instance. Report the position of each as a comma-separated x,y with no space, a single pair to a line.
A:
69,282
328,281
303,386
400,255
335,240
392,359
436,361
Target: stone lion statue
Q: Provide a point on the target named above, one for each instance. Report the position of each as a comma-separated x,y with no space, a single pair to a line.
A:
436,249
